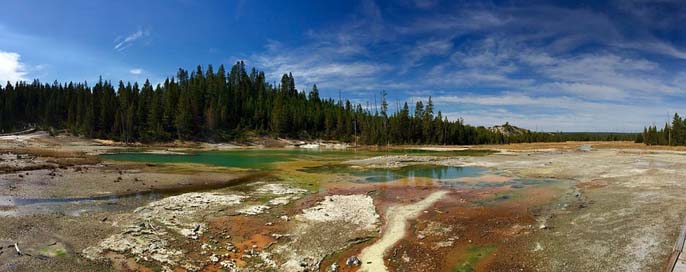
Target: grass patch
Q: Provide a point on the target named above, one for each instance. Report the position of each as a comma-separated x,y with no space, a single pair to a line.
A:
473,256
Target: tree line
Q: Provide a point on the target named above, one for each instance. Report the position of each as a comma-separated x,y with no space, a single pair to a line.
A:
209,105
670,134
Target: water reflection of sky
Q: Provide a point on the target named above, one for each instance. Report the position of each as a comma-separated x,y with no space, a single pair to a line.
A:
73,206
412,172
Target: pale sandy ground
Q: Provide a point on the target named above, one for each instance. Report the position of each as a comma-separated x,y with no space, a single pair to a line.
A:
372,257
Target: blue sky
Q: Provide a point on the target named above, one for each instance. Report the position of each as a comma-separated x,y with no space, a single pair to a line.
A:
567,65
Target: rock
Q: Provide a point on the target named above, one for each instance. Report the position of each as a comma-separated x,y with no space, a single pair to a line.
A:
333,267
405,257
443,244
205,246
353,261
148,236
228,265
280,201
230,247
254,209
279,189
356,209
331,226
16,248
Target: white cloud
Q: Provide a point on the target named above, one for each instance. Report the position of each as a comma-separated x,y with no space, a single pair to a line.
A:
122,43
426,48
561,113
549,67
335,58
11,68
591,91
506,99
313,66
136,71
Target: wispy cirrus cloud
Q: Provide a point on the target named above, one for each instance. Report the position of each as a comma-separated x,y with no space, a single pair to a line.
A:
333,57
309,66
124,42
552,67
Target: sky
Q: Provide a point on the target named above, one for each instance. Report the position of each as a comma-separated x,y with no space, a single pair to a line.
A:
612,66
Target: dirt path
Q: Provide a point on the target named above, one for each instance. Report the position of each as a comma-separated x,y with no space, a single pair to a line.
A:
396,222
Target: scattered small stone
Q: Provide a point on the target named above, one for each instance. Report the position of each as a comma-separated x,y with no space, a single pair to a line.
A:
230,247
333,267
205,246
254,210
228,265
405,257
16,248
353,261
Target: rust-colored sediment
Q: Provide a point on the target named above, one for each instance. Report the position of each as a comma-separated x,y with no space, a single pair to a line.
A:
504,225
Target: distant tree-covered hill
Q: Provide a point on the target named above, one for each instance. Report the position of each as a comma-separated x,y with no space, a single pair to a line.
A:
219,105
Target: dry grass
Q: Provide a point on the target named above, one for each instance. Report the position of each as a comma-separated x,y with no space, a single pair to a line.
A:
52,157
14,169
43,152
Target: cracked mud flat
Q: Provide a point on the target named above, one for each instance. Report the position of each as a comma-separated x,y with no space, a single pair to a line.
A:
616,209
